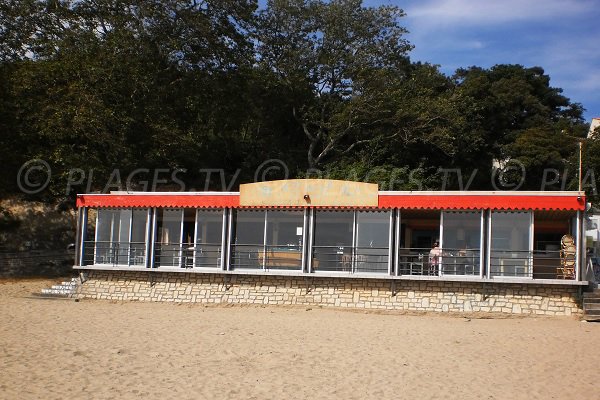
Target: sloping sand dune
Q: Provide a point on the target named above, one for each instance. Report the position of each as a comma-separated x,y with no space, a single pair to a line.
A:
57,349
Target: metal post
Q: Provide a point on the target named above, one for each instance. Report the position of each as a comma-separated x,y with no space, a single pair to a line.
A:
228,252
354,240
441,246
310,238
152,237
531,244
489,245
264,266
147,236
397,242
580,163
224,241
303,247
78,241
481,242
96,236
580,248
391,243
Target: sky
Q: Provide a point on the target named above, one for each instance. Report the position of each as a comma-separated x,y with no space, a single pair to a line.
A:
562,36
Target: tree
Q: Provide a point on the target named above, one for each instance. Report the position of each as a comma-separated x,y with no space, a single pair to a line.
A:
334,51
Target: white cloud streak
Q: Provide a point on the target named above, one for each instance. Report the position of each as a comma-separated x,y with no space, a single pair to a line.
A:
437,13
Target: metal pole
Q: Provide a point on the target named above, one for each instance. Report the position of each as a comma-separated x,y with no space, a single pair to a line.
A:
580,163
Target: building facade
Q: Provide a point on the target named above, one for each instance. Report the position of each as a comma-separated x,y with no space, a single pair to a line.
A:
353,245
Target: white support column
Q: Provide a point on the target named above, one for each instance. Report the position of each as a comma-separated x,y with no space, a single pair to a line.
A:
303,248
195,239
181,223
531,244
227,250
482,243
224,241
397,242
148,236
311,238
82,232
152,237
96,237
130,238
264,263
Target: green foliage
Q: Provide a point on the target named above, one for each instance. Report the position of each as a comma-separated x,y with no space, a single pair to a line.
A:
325,86
8,222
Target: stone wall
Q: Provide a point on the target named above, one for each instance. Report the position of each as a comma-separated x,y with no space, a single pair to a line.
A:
36,263
375,294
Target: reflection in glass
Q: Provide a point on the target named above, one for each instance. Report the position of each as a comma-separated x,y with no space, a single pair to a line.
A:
372,241
209,234
510,252
248,241
283,249
168,248
461,243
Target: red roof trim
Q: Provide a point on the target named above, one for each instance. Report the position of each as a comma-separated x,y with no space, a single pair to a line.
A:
386,201
483,202
168,201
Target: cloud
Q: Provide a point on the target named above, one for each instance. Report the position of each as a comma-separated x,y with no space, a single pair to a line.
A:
439,13
559,35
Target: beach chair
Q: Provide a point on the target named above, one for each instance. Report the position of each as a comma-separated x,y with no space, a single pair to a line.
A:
566,270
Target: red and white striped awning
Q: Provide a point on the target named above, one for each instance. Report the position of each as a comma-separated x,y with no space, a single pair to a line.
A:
427,200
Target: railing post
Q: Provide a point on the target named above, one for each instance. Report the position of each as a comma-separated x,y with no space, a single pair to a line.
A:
580,249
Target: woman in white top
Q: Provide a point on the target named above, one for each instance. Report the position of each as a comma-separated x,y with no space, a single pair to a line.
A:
435,255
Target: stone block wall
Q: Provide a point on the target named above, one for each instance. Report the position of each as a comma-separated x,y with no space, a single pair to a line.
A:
374,294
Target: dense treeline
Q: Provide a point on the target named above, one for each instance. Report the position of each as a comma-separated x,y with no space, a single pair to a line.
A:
326,87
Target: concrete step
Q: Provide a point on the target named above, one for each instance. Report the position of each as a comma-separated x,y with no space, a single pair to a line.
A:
590,300
64,289
55,291
594,294
591,306
52,294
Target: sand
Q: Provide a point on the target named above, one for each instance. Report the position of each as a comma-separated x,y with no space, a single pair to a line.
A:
55,349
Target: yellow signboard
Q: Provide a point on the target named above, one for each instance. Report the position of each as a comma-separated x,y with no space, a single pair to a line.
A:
309,192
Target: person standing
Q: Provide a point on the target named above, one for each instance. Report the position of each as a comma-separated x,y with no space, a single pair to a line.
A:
435,256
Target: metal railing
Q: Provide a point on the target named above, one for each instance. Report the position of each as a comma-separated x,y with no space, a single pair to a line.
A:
255,256
114,253
422,261
187,255
347,259
538,264
350,259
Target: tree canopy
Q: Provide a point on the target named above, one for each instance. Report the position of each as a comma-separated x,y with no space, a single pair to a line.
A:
327,87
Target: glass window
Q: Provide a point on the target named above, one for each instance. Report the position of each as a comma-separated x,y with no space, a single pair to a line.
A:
121,237
168,248
249,231
209,235
283,247
112,239
333,236
372,241
510,244
139,229
284,240
107,233
461,242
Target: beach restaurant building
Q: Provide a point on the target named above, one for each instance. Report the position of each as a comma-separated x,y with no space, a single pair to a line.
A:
337,243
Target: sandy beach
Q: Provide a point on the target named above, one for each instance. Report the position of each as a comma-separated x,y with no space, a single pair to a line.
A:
57,349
